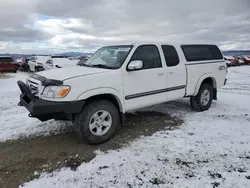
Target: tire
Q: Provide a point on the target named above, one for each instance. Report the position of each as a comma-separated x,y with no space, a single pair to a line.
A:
198,103
83,122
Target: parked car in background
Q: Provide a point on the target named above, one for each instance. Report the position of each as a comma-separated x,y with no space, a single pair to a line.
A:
24,66
48,64
64,62
231,61
7,64
246,59
53,63
16,64
240,59
82,61
19,60
84,57
228,62
36,63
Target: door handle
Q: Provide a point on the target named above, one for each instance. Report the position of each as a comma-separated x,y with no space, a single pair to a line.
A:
160,74
171,72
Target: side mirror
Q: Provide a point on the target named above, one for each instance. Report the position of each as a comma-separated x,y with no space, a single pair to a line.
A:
135,65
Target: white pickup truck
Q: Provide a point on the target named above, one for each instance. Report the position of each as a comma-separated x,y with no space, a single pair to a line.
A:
118,79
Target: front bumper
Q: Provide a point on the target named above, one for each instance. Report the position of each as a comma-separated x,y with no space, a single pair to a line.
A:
45,110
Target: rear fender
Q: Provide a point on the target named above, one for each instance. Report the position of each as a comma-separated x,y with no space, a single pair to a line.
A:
201,79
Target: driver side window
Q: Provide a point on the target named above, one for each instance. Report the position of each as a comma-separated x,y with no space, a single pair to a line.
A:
149,55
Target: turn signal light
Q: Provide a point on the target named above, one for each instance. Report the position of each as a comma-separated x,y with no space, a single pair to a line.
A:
63,92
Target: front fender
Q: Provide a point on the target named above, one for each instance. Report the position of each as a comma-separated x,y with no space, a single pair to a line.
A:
200,80
104,90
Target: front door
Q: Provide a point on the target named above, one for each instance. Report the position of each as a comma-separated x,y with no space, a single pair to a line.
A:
147,86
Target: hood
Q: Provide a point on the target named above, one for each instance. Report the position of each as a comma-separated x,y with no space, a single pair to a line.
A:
66,73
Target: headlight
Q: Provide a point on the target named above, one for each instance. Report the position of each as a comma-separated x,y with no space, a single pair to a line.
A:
56,91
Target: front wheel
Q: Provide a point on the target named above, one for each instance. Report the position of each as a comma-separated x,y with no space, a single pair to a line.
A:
203,100
98,122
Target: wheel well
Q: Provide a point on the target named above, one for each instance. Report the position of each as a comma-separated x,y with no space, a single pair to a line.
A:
108,97
112,99
210,81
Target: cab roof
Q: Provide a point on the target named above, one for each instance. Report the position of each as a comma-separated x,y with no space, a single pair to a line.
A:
171,43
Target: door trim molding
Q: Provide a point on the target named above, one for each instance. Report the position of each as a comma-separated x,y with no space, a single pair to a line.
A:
200,63
137,95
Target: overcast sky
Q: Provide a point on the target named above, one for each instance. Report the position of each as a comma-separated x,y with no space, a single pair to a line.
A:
51,26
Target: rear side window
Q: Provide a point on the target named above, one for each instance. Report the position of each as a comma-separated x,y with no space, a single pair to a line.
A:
201,52
171,56
149,55
215,52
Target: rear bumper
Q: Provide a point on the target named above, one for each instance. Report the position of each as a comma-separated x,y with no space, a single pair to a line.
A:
45,110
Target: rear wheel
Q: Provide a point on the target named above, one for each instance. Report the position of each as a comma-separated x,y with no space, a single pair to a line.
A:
203,100
98,122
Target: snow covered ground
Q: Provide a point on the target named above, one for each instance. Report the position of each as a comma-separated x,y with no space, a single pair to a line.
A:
211,149
14,120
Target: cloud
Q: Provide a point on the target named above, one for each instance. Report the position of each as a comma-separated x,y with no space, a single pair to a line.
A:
22,34
87,25
15,13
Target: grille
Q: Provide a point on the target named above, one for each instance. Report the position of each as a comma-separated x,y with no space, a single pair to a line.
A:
33,87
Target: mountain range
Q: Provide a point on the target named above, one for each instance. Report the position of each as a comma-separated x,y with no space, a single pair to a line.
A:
236,52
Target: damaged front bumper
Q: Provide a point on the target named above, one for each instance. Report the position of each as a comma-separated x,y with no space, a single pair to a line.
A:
45,110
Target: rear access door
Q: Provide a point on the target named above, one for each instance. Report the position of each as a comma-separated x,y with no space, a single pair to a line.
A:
175,73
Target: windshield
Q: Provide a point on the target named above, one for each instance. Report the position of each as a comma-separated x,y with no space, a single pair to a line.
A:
109,57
